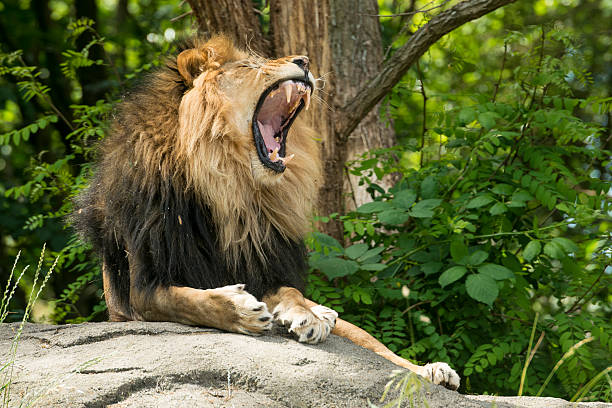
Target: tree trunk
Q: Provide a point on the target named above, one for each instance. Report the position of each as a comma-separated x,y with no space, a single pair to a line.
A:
343,40
236,18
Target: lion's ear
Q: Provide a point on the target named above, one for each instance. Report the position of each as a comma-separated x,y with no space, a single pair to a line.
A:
210,56
190,64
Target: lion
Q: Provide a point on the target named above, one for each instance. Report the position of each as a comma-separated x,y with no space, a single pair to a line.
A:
202,194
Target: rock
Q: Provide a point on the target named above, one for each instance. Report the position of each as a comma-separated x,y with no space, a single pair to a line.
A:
143,364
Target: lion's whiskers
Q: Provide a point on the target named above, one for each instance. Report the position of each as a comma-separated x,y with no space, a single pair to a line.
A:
322,101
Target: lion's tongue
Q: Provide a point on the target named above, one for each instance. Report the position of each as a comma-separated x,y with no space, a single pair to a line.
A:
267,132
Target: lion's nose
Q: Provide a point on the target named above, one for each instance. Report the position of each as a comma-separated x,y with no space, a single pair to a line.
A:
302,62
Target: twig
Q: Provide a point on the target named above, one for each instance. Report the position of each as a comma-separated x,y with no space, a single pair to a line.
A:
511,318
512,153
411,13
46,98
535,87
409,308
424,130
405,29
111,63
348,179
501,72
575,306
173,19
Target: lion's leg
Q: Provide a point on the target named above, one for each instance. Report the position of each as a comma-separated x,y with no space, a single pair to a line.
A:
115,311
228,308
438,373
311,324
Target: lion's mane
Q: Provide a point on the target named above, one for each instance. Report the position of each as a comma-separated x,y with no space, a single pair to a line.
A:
174,199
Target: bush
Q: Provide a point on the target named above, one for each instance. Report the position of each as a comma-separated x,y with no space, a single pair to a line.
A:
502,221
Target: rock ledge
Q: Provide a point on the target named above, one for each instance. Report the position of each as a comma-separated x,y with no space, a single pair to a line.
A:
139,364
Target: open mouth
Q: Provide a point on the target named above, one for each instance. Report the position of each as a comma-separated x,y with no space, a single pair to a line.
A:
276,110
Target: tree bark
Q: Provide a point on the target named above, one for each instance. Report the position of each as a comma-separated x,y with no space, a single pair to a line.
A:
343,40
236,18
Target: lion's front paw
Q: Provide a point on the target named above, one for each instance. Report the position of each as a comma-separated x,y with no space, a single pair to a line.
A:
249,316
310,325
441,373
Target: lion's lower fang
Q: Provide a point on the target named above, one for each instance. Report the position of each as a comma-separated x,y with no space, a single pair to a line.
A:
287,159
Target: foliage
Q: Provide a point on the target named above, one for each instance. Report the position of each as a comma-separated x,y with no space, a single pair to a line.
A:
502,219
497,217
57,180
55,100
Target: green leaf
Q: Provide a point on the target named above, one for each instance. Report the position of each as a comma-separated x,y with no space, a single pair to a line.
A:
502,189
393,217
451,275
467,115
458,250
521,195
480,201
554,250
532,250
429,187
516,204
326,241
366,298
336,267
406,241
487,119
495,271
359,228
482,288
348,226
424,208
370,229
498,208
371,253
430,268
474,259
404,199
355,251
375,206
567,244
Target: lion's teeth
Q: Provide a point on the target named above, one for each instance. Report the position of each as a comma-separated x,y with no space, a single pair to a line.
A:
307,99
274,155
288,89
287,159
295,105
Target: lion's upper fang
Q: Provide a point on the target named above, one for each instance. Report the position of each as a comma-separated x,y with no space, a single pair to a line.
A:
276,113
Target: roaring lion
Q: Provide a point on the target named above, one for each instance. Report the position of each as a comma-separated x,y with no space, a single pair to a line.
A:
204,189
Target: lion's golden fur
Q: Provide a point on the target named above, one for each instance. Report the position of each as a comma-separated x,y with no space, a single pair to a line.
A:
202,135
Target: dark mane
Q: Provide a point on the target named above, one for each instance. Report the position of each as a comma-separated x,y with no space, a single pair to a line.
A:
150,222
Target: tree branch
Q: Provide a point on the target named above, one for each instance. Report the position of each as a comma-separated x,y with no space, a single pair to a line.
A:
395,68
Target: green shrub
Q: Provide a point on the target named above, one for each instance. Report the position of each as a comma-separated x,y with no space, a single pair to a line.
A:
501,220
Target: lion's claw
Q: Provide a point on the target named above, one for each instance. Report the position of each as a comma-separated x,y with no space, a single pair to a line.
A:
309,325
252,316
442,374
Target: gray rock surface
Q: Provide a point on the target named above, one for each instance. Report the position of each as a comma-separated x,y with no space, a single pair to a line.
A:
138,364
